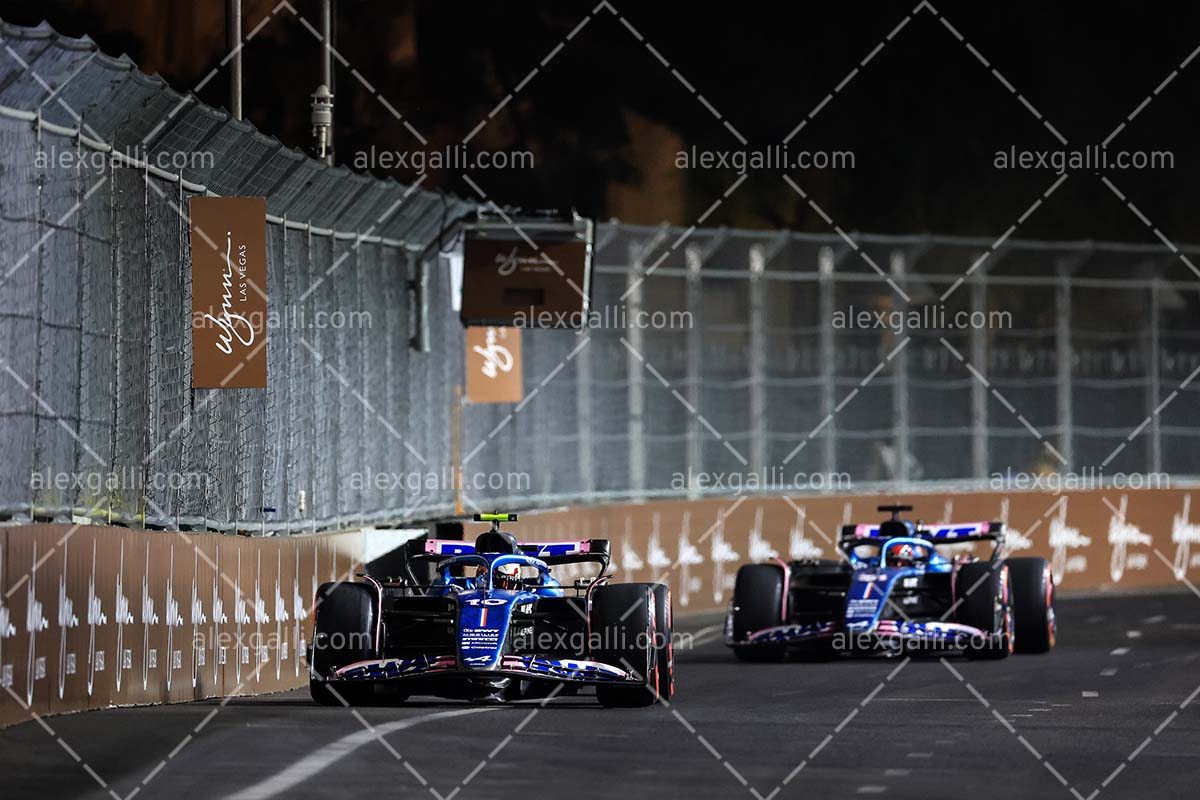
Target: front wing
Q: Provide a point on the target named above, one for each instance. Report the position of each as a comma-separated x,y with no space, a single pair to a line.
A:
558,669
950,634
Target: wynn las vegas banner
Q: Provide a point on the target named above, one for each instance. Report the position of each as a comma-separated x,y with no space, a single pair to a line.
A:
229,292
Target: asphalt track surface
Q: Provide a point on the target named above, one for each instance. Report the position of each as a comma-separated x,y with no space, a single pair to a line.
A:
1113,712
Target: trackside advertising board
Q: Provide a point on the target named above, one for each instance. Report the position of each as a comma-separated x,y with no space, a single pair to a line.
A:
229,292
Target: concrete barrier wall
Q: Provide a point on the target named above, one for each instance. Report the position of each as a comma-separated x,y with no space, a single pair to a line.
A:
1096,540
92,617
95,616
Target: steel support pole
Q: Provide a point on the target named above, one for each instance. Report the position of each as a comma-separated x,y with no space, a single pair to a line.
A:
758,360
585,447
979,360
900,387
327,45
828,345
233,41
694,259
1062,347
634,372
1154,378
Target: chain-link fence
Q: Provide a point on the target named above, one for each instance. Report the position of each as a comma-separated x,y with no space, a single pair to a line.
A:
793,362
712,356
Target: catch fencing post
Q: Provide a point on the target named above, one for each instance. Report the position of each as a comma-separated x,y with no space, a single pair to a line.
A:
633,369
828,347
979,420
693,256
1062,342
1154,377
900,398
758,360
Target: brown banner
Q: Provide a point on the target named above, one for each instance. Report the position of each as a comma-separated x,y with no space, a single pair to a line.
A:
494,365
514,283
229,292
93,617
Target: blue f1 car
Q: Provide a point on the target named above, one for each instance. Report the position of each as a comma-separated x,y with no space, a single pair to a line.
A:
493,624
894,592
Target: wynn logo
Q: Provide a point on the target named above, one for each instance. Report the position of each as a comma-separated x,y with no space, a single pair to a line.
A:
721,554
229,292
281,615
95,618
174,620
1184,534
7,631
689,556
149,620
1121,534
1063,539
198,619
232,325
66,621
35,623
760,548
800,547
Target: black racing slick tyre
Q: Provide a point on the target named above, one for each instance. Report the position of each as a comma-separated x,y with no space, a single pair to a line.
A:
343,633
664,642
623,619
983,593
758,596
1035,626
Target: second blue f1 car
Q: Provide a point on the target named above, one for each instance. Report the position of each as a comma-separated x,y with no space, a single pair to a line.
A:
895,592
493,624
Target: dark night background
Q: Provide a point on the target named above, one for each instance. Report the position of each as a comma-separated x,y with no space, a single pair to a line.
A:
605,118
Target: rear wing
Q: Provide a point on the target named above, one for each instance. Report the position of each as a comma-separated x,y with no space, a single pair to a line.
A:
949,533
564,552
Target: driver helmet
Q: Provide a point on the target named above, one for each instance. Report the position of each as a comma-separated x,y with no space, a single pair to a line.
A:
505,576
902,554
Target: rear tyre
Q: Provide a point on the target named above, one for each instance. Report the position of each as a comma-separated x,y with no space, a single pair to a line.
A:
1035,625
983,592
664,641
623,620
757,604
343,633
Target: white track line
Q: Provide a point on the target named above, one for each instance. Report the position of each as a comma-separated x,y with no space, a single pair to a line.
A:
327,755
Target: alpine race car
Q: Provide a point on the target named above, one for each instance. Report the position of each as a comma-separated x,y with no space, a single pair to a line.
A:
492,624
894,592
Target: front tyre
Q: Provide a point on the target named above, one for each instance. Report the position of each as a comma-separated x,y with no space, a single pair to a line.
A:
664,642
343,633
1033,604
623,619
757,604
983,593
